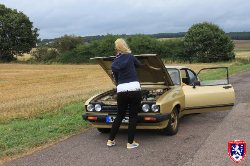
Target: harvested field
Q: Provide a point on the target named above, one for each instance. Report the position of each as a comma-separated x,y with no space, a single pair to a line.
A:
242,45
29,89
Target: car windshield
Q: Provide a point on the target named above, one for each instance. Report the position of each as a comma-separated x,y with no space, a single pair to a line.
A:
175,76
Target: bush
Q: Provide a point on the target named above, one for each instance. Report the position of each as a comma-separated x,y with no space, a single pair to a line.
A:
104,46
171,49
139,44
45,54
206,42
142,44
81,54
67,43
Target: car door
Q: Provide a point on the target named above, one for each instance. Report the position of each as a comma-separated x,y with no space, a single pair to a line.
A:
209,90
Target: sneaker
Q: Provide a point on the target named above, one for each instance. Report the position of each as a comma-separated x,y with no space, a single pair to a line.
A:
133,145
111,143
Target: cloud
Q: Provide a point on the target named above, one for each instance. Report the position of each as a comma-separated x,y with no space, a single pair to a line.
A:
93,17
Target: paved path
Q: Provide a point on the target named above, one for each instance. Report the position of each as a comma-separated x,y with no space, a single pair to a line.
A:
198,136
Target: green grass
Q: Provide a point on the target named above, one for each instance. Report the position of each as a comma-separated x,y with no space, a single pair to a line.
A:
20,135
233,69
239,67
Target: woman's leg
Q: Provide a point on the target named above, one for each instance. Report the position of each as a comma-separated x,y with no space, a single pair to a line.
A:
122,106
135,106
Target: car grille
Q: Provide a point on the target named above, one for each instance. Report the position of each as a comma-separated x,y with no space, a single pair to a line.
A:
109,108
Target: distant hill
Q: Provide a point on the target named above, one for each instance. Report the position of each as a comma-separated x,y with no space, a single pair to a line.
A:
233,35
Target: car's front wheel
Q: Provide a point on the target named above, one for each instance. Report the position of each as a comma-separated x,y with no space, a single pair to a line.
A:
173,123
103,130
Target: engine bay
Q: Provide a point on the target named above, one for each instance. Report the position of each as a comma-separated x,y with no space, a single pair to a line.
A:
110,97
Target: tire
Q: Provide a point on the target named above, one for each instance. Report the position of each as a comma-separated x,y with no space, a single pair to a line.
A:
173,123
103,130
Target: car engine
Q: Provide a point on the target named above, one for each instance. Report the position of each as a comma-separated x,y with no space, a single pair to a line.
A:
110,97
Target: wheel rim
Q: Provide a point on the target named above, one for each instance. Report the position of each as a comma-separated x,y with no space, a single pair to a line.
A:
174,119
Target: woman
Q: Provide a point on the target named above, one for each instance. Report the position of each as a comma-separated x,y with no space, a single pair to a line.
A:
128,91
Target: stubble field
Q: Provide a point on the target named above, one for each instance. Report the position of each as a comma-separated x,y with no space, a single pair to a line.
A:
26,90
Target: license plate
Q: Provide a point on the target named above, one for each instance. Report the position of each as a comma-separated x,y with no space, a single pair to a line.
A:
110,119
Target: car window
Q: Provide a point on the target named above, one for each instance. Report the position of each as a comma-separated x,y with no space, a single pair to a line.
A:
175,76
183,73
213,76
184,76
192,76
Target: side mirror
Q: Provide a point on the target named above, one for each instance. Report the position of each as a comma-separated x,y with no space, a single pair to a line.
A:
196,83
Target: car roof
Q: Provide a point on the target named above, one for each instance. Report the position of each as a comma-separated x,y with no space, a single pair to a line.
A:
176,67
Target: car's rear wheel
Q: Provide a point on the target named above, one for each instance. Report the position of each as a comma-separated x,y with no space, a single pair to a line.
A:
103,130
173,123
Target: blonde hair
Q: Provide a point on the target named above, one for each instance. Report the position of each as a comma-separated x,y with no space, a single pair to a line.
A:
121,46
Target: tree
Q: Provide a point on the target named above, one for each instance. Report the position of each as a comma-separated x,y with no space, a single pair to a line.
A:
206,42
67,43
17,34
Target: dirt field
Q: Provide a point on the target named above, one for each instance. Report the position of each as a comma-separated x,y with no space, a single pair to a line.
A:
28,89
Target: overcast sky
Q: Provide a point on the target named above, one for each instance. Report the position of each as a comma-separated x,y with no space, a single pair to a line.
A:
55,18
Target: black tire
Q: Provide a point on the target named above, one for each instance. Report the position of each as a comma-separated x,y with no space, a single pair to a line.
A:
173,123
103,130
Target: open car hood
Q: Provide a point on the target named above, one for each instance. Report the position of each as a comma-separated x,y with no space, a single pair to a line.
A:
152,72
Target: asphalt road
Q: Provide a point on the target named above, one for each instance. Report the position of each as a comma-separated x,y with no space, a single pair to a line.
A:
185,148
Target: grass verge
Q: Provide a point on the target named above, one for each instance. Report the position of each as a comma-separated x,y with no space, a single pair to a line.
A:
233,69
20,135
239,67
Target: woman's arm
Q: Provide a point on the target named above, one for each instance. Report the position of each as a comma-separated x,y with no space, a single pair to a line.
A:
144,65
115,77
137,63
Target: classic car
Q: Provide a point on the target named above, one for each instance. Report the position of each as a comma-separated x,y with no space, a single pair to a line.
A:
169,92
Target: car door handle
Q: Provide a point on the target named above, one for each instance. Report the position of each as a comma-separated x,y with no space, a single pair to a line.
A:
227,87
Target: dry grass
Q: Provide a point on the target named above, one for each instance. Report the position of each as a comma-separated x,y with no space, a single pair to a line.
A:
24,57
242,49
243,54
29,89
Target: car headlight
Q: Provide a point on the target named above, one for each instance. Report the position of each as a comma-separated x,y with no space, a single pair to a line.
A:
145,107
90,107
98,107
155,108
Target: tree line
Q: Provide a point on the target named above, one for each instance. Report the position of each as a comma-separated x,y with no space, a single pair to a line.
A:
232,35
74,49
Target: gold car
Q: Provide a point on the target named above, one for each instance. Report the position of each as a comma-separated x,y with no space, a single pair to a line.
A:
169,92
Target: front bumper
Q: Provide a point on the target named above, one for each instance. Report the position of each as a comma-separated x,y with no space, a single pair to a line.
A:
157,118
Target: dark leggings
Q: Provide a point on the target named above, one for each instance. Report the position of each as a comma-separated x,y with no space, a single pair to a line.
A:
127,100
